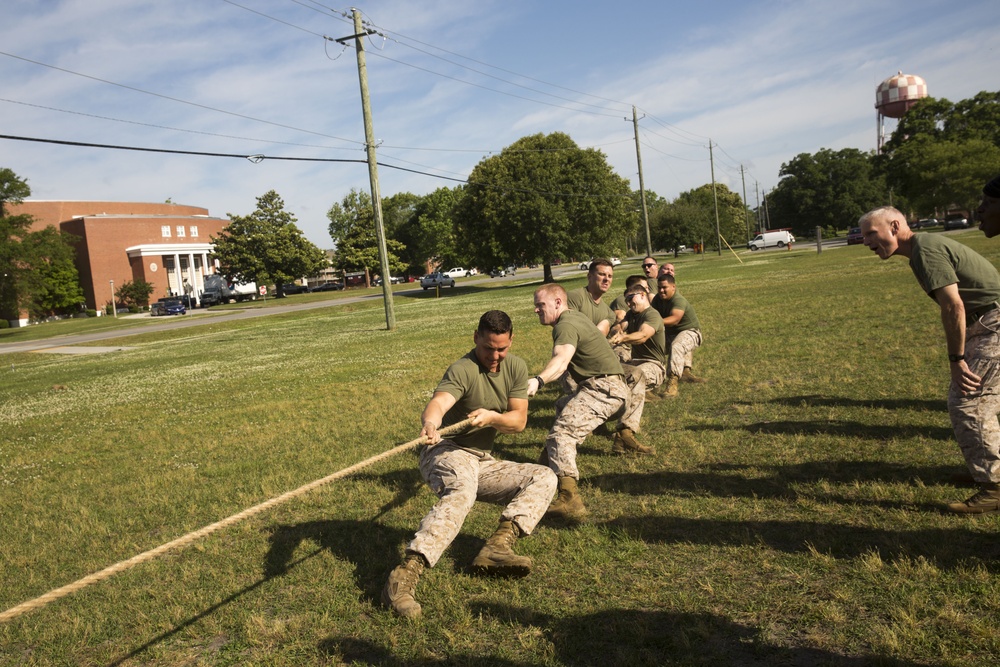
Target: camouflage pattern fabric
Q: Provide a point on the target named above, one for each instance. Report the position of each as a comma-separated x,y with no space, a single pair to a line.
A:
653,372
974,416
682,349
595,401
460,478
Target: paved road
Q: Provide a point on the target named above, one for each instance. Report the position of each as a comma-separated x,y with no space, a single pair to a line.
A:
199,317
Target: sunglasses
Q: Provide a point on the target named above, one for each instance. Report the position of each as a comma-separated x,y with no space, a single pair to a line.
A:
646,266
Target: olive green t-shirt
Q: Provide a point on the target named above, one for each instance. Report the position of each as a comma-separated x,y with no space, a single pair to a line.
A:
938,261
593,355
475,387
688,321
619,304
580,300
655,347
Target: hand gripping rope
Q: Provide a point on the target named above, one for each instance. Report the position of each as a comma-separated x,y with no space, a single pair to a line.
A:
185,540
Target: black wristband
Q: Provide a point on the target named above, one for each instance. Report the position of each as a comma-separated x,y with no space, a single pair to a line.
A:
540,381
955,358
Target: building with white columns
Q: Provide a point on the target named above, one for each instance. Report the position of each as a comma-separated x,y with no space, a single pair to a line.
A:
168,245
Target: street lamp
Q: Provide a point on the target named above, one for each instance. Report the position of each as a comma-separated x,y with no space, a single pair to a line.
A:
114,308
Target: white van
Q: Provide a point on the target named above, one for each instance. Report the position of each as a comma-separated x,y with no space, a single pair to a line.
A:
771,239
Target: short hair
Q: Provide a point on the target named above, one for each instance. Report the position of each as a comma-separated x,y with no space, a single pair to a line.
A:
649,257
666,277
636,289
599,262
634,280
880,213
552,289
495,322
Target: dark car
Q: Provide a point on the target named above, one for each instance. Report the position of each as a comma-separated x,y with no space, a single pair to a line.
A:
292,288
328,287
956,221
924,223
854,236
170,305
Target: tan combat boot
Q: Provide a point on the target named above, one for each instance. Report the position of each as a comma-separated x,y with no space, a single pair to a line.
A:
625,443
688,376
987,499
568,504
497,555
669,388
399,588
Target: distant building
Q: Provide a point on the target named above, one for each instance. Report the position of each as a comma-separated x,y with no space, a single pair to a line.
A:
167,245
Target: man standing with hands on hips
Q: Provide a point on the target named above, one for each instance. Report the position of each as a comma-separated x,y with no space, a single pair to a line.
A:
966,288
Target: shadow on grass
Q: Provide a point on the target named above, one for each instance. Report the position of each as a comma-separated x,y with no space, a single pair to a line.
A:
818,400
623,637
834,427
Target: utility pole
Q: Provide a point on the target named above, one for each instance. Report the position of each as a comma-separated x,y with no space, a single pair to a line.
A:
642,188
756,193
767,214
746,209
383,254
715,197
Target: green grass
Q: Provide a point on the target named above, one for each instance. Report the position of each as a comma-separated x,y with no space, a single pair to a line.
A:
788,517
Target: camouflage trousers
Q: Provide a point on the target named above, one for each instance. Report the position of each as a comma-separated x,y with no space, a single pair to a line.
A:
595,401
682,348
460,478
623,352
652,371
974,416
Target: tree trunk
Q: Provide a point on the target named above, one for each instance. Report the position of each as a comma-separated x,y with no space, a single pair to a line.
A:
547,273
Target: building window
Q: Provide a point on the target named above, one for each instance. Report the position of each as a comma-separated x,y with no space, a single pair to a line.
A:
180,231
194,232
165,231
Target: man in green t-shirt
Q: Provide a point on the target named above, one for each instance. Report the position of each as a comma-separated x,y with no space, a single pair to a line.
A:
587,299
621,310
600,394
644,334
682,330
988,213
490,387
966,288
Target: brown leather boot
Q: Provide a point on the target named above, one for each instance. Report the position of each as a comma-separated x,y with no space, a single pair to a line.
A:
986,500
688,376
669,388
625,443
497,556
568,504
402,583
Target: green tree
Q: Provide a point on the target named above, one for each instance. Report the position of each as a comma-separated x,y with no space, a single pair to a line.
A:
691,218
352,228
13,228
829,189
934,174
937,118
544,198
429,233
135,292
266,246
52,286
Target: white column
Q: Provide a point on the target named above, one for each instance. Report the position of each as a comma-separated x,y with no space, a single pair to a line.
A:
178,275
193,280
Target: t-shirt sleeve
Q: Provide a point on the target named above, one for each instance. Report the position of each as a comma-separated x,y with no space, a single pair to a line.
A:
454,382
518,379
934,270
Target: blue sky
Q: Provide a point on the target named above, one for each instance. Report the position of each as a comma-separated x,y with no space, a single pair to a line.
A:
451,82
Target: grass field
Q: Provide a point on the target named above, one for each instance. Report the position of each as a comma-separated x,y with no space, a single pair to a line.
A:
789,516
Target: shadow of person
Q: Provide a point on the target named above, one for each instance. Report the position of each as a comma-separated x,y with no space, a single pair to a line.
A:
820,400
835,427
641,637
351,650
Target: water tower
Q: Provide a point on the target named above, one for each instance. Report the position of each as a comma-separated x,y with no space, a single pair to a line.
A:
894,97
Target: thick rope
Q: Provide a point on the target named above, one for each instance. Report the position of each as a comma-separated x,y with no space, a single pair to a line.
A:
185,540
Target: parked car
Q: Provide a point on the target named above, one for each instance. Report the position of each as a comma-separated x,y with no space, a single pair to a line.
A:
779,238
585,264
956,221
854,236
436,279
473,272
498,273
292,288
170,305
457,272
926,222
615,261
328,287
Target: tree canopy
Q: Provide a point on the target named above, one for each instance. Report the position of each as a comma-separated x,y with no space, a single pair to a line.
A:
352,228
266,246
829,189
429,233
37,270
544,198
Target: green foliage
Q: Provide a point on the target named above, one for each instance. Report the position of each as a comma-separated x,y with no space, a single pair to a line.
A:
135,292
544,198
941,153
352,228
828,189
266,246
429,232
691,218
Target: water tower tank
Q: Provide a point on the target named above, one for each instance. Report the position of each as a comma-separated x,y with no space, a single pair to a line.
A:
895,95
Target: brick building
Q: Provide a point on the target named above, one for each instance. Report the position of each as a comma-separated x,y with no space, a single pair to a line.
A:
167,245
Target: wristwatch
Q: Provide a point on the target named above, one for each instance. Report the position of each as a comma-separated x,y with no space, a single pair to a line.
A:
955,358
